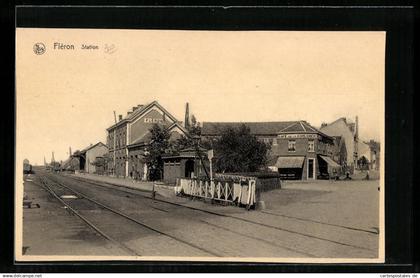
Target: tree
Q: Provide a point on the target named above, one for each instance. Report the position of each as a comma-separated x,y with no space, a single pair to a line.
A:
195,127
102,163
189,141
237,150
159,145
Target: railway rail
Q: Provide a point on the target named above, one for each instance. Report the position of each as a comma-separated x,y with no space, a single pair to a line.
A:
201,221
46,181
283,229
48,188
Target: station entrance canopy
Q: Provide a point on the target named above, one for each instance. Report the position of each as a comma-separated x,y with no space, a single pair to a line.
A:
330,162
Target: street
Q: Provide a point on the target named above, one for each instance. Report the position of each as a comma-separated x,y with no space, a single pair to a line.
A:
317,219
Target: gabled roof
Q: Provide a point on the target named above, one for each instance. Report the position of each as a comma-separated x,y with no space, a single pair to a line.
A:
351,126
147,136
299,127
139,111
177,124
90,147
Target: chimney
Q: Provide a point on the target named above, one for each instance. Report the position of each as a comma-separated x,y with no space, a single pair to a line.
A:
69,151
119,117
187,116
357,128
140,106
129,113
134,108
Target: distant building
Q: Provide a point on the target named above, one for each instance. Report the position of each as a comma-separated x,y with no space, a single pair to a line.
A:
369,155
349,133
72,163
339,151
128,139
298,150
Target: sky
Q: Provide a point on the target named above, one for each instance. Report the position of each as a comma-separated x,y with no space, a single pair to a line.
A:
66,98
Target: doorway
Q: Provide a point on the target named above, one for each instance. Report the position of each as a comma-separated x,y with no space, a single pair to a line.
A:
311,167
189,168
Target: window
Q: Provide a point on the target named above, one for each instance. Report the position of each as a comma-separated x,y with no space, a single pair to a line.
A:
267,140
292,145
311,146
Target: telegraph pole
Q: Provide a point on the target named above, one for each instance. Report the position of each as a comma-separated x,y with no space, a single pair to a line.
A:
210,157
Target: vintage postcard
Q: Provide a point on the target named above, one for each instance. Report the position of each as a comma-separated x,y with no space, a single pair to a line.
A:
247,146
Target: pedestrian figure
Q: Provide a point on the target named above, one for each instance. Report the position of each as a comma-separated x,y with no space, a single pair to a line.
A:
153,191
367,175
348,176
334,176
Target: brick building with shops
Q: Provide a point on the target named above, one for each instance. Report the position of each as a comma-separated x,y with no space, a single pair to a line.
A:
128,139
298,150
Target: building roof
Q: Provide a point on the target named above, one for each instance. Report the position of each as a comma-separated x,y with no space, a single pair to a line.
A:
261,128
140,110
145,138
92,146
350,125
187,153
256,128
299,127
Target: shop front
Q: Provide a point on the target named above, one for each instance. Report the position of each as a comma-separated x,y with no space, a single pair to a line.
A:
290,167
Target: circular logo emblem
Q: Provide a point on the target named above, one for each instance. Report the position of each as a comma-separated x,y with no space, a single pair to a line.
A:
39,48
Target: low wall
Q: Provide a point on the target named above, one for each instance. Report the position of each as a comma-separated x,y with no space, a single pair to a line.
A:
235,188
226,190
265,181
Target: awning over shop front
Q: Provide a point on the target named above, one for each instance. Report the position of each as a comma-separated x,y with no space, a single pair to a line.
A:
290,162
330,162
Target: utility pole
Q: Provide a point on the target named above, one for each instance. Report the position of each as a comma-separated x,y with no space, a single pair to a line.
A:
115,127
210,157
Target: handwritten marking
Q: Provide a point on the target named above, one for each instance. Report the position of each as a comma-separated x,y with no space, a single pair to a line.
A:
110,48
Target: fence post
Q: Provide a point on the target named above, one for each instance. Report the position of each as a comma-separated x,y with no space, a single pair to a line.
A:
226,190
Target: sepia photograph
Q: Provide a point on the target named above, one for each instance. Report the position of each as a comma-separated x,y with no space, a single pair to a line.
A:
188,145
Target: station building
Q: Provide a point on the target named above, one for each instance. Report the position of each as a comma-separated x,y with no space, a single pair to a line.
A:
298,150
127,140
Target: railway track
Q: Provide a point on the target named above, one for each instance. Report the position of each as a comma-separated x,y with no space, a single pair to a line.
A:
47,183
48,188
283,229
234,233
